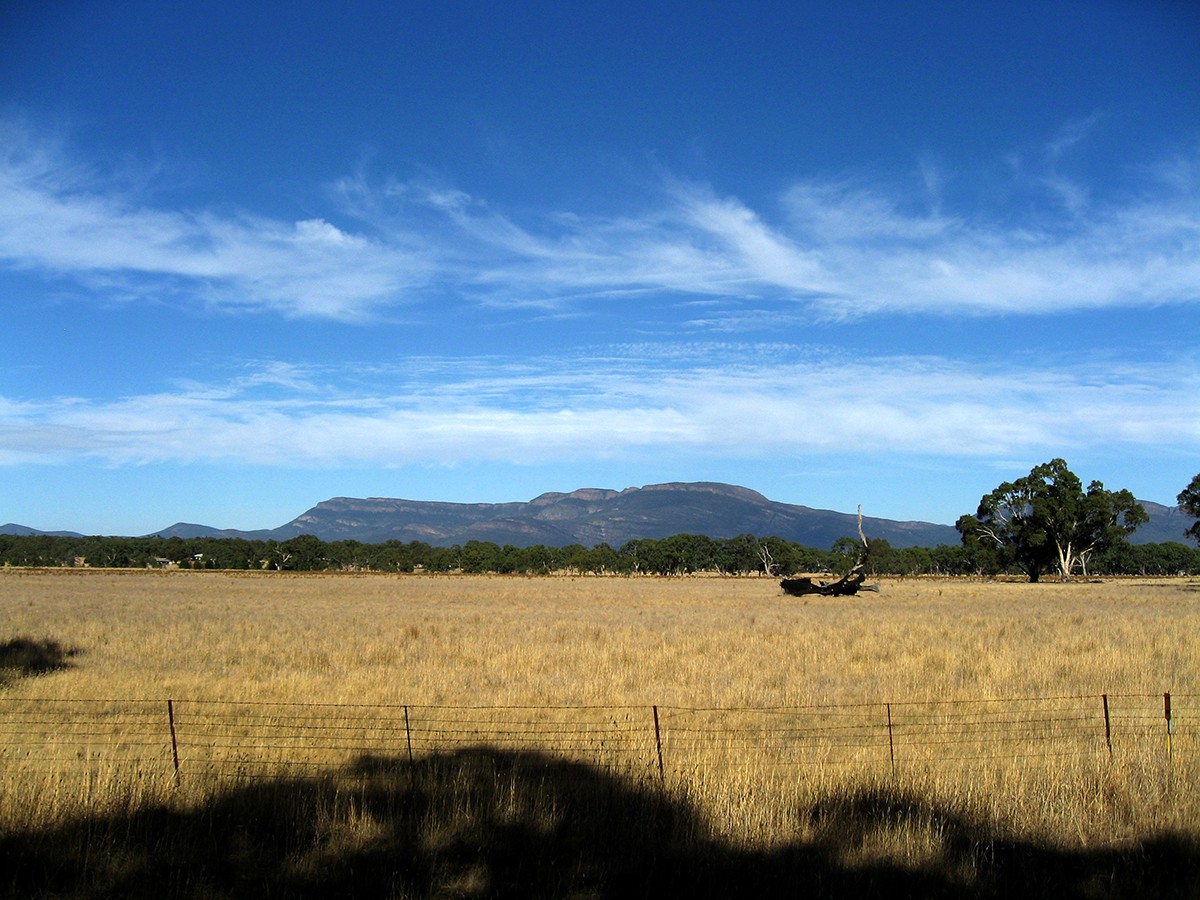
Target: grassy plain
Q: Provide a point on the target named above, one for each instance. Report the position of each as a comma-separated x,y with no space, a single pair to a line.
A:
611,642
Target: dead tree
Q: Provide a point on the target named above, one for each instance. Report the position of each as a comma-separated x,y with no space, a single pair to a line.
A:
848,585
768,561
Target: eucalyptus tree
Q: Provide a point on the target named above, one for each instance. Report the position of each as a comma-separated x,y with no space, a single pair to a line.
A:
1189,502
1046,521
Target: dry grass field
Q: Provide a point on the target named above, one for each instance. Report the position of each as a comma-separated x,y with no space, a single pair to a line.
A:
519,821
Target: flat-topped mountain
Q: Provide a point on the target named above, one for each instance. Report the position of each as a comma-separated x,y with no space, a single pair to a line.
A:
593,515
590,516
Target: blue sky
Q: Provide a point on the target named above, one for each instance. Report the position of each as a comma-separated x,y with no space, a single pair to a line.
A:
255,255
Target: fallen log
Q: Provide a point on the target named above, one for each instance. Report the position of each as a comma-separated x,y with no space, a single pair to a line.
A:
843,587
847,586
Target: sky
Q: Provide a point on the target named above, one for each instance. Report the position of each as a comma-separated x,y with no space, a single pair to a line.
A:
257,255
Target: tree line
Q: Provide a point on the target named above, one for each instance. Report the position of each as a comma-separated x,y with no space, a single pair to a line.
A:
680,554
1042,522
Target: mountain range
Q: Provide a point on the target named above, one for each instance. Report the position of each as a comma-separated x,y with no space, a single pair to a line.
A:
593,515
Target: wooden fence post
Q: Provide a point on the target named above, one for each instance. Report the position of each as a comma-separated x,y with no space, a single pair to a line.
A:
662,778
1107,726
174,742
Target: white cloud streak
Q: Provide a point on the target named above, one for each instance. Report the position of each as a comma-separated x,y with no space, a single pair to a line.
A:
705,400
828,249
57,221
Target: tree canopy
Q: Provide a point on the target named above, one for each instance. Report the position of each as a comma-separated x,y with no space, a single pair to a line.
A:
1045,521
744,554
1189,502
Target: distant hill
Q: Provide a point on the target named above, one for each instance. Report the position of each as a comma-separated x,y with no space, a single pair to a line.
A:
593,515
188,530
24,531
1167,523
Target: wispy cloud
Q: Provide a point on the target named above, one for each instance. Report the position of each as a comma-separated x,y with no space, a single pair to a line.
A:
616,405
827,248
60,220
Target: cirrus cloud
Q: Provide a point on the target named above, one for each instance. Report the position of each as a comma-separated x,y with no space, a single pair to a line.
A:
826,248
621,403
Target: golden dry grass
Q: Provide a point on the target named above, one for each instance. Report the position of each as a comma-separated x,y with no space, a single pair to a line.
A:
637,642
614,641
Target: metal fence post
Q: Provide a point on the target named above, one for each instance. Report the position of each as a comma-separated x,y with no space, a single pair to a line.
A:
174,742
1170,722
662,778
1107,726
891,741
408,736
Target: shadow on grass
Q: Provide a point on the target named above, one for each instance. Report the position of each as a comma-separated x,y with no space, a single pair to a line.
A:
22,657
518,825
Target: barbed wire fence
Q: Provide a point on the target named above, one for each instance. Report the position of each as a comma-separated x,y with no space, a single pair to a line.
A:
182,738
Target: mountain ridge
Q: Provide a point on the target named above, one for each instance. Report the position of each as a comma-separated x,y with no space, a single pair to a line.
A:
593,515
25,531
590,516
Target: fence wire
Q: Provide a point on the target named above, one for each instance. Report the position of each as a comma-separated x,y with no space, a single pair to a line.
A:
250,739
